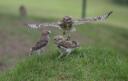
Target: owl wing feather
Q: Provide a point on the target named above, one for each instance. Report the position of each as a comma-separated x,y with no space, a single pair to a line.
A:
40,44
92,19
67,44
50,24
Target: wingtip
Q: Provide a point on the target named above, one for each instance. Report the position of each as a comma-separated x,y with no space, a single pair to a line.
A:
110,13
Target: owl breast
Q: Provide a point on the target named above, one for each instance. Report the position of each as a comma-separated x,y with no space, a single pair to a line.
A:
66,26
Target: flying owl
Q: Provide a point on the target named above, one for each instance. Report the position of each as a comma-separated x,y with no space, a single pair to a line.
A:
67,24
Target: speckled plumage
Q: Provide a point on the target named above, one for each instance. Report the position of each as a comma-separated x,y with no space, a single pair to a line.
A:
67,24
42,42
65,46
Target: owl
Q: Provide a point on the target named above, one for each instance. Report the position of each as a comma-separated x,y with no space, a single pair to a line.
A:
68,24
41,43
65,46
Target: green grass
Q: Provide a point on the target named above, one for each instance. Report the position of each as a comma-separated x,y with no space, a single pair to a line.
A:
103,35
104,48
57,9
103,54
88,64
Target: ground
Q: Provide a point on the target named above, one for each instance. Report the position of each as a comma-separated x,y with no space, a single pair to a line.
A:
100,42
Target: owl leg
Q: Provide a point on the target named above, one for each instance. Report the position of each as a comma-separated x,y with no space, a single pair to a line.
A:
61,55
31,51
38,52
69,52
68,35
42,50
64,32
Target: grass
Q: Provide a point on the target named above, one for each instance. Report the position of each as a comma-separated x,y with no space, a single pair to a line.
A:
48,9
105,36
102,57
88,64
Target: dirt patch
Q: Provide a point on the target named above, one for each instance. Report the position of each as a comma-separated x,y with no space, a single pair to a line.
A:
12,49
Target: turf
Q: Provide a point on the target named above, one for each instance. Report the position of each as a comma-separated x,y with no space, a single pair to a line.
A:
58,9
102,57
88,64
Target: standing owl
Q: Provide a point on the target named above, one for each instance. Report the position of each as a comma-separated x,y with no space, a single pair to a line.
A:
65,46
42,43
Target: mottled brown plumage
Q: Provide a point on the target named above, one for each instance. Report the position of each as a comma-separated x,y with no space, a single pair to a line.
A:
42,42
65,46
67,23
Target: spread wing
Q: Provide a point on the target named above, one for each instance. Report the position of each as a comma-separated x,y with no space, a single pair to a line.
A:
92,19
36,26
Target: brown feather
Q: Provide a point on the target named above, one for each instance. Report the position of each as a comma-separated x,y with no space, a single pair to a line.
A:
40,44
